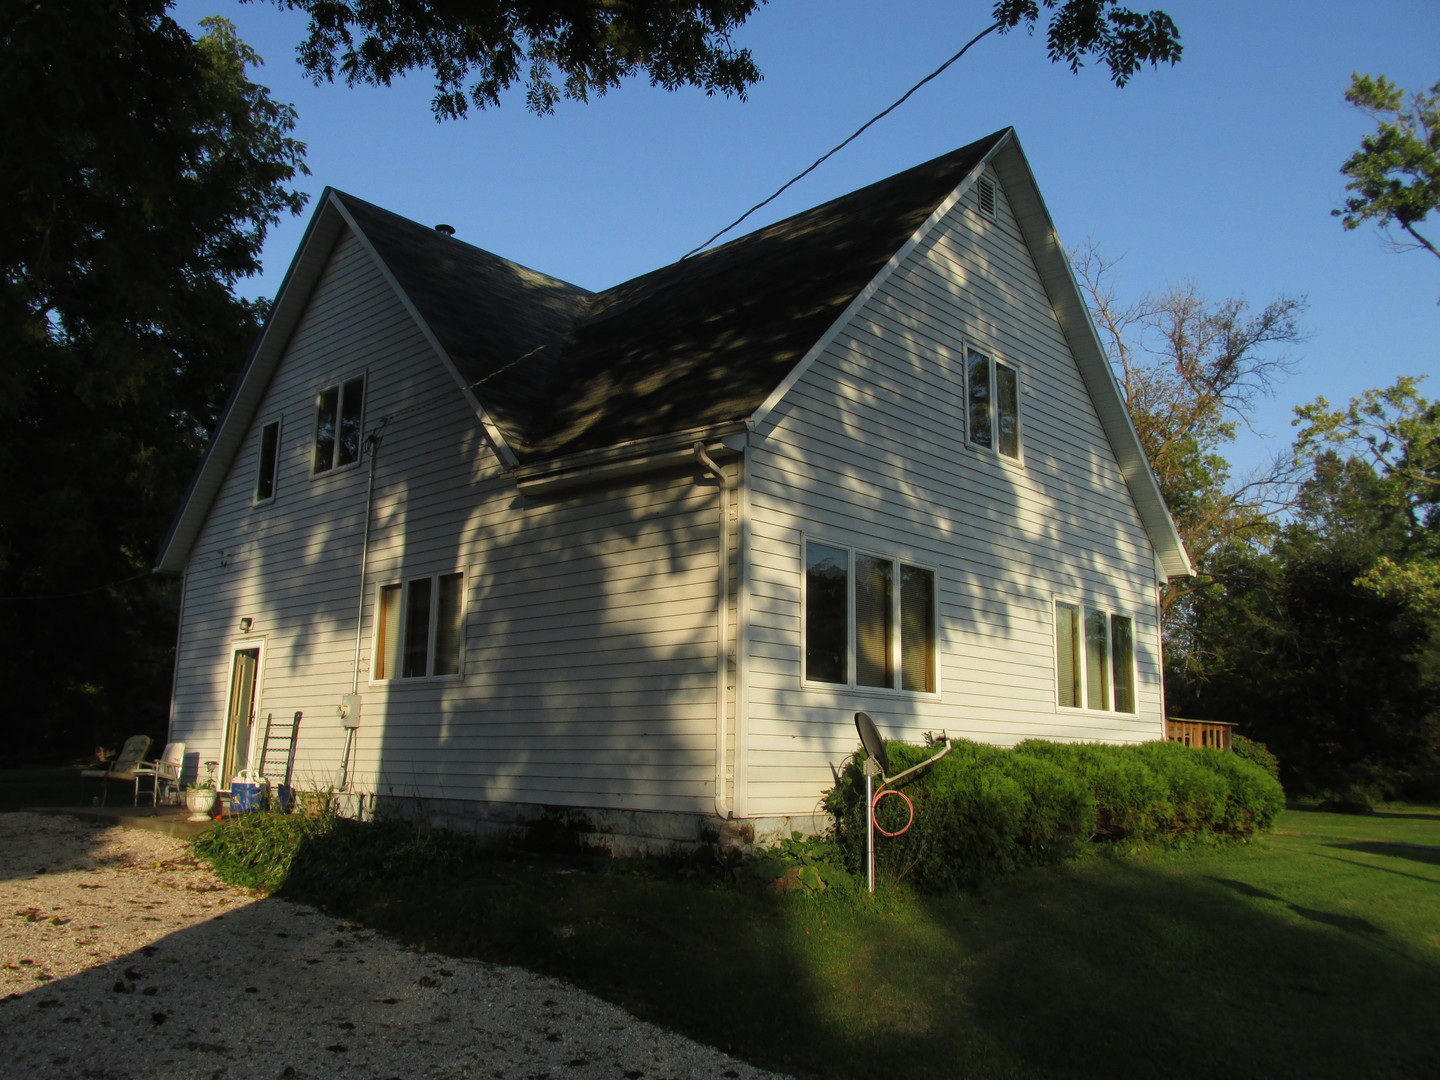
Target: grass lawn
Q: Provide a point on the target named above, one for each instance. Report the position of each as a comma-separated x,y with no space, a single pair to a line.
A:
1314,952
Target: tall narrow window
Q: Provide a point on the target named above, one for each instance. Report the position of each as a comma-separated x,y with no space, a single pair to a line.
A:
979,376
917,629
873,622
1122,655
869,621
827,620
1094,659
993,394
419,628
339,413
1067,654
269,461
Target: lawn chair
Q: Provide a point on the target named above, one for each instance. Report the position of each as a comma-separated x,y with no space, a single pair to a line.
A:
162,771
124,765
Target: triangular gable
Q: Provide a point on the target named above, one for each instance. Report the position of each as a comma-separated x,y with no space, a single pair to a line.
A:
449,288
249,389
1002,153
554,373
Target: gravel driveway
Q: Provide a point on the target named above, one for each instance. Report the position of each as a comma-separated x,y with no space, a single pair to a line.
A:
123,957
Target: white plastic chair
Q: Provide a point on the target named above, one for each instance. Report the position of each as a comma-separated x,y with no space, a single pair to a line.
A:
162,771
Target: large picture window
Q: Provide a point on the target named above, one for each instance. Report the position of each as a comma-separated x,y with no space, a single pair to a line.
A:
419,627
869,620
1094,659
339,411
993,396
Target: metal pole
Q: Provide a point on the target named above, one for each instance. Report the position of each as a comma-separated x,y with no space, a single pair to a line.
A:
869,829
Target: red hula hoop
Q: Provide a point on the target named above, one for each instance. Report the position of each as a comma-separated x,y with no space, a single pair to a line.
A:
910,805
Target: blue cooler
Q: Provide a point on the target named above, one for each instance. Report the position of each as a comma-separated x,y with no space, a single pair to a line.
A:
247,793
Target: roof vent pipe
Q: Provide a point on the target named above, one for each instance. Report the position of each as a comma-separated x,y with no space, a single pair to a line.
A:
448,230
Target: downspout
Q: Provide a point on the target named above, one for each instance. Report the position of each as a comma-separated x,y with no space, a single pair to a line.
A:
722,673
373,443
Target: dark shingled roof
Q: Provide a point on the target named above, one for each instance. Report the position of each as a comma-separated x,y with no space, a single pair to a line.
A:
700,342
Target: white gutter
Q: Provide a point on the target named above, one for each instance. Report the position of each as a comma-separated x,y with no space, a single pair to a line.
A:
722,673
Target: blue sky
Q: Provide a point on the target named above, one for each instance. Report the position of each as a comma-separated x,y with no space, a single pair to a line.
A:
1221,170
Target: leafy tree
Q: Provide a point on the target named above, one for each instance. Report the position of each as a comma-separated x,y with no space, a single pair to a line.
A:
575,48
1396,172
1397,431
1325,644
1192,370
140,169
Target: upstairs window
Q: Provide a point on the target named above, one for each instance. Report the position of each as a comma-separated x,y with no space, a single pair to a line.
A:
269,462
869,621
993,395
1094,659
338,413
419,628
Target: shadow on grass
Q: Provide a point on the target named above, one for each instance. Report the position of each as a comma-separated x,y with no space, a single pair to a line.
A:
1103,969
1415,852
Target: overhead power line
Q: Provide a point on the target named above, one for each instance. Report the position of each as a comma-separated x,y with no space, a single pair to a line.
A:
858,132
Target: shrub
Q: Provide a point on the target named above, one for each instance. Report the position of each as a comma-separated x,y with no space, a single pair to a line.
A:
1198,794
1130,799
982,811
1258,752
1255,797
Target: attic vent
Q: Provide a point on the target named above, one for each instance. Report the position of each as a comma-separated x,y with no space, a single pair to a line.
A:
986,191
448,230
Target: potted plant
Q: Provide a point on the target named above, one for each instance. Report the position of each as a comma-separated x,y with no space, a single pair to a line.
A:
200,796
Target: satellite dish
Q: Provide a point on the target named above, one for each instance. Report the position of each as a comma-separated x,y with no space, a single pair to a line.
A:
873,743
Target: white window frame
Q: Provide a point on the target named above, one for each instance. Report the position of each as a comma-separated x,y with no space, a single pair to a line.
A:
258,499
383,657
334,465
986,436
1112,669
898,565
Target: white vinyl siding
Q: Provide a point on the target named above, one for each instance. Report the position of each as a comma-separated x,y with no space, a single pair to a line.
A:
868,452
590,648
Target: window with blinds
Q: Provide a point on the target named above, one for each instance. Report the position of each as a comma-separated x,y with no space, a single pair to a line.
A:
869,621
1094,659
419,628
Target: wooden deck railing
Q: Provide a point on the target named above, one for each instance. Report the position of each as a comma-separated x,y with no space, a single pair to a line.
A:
1212,733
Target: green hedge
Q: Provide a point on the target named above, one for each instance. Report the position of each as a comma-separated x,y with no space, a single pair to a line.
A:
982,811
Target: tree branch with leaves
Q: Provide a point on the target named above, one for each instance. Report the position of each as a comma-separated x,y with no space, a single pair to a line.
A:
1192,370
1396,172
476,50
